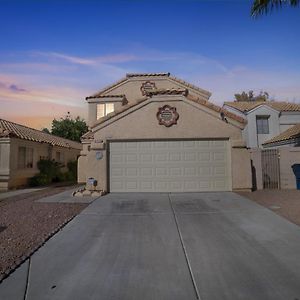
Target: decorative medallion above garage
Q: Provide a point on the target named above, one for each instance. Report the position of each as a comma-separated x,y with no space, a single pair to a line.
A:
167,116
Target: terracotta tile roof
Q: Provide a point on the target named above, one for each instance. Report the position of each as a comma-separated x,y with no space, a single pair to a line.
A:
88,136
105,96
192,86
10,129
151,93
105,89
129,75
245,106
132,75
217,108
289,134
119,97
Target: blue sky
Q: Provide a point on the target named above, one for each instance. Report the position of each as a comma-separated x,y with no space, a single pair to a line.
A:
55,53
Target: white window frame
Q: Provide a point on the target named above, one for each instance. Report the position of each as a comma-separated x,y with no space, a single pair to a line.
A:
262,127
106,110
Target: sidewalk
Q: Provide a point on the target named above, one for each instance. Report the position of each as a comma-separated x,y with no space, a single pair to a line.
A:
4,195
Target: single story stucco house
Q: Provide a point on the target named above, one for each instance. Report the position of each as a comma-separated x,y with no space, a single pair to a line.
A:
22,147
157,133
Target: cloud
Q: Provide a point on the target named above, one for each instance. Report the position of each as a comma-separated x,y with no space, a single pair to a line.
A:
11,87
92,61
140,56
38,81
15,88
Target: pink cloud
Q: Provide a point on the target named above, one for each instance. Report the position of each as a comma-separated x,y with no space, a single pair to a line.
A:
35,114
117,58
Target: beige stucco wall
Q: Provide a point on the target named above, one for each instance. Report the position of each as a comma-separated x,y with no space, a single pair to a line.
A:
241,169
132,89
288,157
4,163
92,109
19,177
195,122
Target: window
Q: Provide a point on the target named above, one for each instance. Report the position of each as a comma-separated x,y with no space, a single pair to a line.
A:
59,157
104,109
25,158
262,124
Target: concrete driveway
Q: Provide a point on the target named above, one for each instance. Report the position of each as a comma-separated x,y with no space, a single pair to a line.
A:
209,246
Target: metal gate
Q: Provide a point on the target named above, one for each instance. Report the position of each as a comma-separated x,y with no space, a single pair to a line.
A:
270,169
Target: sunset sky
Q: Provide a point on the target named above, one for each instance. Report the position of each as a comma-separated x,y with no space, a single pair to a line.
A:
55,53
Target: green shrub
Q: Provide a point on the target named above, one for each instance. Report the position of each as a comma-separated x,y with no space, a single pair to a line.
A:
59,177
71,174
39,180
50,171
49,167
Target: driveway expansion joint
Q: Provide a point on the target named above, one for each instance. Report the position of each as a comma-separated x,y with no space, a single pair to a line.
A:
184,250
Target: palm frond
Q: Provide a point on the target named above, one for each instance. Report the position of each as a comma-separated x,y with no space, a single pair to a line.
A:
260,7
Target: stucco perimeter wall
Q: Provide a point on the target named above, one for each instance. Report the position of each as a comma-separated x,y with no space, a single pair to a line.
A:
241,169
141,124
19,177
288,157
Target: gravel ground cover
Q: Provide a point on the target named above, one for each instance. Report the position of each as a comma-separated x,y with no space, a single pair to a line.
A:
26,224
285,203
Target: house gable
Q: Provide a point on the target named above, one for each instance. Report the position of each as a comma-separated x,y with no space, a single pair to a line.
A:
132,86
140,122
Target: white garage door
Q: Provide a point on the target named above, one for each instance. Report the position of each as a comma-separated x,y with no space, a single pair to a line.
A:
169,166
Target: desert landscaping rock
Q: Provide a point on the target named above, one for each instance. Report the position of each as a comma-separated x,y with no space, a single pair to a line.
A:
86,193
78,194
30,224
96,194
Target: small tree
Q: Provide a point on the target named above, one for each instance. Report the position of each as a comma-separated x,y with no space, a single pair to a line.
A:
69,128
46,130
244,96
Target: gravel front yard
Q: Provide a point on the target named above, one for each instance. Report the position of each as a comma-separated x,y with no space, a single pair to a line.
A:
25,224
285,203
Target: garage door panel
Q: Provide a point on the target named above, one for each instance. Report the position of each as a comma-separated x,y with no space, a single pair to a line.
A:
146,158
175,156
175,171
166,166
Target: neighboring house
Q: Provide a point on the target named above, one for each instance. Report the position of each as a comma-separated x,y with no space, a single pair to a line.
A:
265,119
157,133
22,147
290,137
